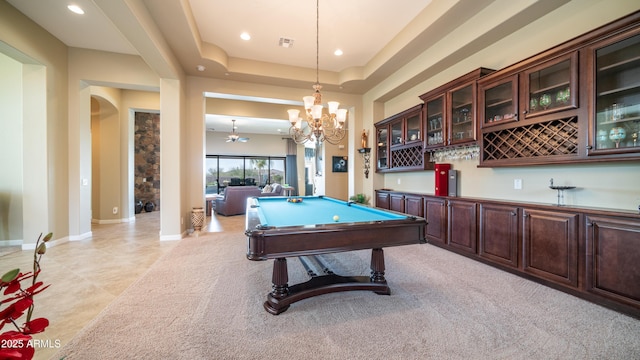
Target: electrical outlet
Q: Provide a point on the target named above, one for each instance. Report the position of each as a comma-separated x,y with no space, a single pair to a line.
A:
399,181
517,184
115,209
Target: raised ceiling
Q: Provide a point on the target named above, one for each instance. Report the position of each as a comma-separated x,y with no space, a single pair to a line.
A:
378,37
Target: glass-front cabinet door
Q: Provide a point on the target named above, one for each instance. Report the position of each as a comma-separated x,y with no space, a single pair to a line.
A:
462,115
382,148
498,102
434,115
397,137
413,127
552,86
617,96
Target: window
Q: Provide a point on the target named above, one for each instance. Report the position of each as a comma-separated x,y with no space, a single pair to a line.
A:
222,171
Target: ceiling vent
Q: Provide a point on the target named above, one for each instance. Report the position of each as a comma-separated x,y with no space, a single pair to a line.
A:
286,42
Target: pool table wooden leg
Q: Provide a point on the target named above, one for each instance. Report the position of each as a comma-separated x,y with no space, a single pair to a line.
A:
280,287
377,270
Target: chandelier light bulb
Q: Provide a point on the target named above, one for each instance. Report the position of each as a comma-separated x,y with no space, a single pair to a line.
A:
316,111
308,102
293,116
333,107
341,116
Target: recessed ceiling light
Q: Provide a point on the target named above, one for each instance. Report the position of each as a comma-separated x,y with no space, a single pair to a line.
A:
338,52
76,9
201,68
245,36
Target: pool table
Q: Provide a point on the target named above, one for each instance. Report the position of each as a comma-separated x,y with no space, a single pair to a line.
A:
278,228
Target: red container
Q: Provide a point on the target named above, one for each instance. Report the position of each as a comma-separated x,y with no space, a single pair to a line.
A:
442,179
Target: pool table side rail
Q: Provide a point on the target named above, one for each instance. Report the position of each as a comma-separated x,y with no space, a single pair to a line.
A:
272,242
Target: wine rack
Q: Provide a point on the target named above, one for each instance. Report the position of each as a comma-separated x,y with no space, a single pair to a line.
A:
408,157
553,138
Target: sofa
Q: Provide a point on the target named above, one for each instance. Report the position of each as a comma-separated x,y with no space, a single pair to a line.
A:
274,189
235,198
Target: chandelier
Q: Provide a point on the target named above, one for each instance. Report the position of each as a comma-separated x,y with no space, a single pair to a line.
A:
317,125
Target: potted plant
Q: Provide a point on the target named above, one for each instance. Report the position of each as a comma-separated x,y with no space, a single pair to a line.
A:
18,299
360,199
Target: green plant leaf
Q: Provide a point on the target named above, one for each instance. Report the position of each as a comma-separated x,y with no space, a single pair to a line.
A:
10,276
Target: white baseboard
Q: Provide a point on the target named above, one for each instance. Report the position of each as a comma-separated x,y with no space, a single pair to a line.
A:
113,221
10,242
50,243
81,236
172,237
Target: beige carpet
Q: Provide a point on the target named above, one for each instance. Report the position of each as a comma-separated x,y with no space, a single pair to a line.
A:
203,300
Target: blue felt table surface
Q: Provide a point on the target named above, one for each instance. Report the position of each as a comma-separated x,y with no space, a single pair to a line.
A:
313,210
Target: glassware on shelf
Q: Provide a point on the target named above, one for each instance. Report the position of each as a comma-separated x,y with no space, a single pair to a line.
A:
562,97
435,139
469,152
435,124
533,104
465,115
545,101
602,139
617,112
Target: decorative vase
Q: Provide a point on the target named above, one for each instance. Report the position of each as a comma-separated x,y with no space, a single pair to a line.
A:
616,135
545,101
139,207
148,207
197,218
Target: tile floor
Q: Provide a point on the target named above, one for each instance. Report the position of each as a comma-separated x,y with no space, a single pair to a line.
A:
85,276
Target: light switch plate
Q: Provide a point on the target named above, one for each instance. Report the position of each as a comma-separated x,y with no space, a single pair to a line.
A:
517,184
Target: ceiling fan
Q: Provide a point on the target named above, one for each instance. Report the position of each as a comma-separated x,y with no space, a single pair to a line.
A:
234,137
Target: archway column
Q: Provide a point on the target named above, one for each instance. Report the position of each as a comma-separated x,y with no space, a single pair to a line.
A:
35,205
172,160
79,162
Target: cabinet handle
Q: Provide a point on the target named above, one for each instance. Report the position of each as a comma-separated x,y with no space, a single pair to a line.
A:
515,117
589,147
525,112
513,213
591,224
525,215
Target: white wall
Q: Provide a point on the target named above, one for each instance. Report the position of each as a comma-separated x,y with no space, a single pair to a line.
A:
11,135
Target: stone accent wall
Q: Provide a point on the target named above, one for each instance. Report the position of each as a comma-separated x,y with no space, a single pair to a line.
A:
147,158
